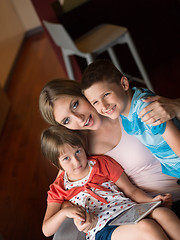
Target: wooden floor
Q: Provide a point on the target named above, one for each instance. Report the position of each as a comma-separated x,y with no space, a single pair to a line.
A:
24,174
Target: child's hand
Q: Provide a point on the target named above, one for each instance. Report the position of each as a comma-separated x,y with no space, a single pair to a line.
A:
75,212
66,204
88,224
166,200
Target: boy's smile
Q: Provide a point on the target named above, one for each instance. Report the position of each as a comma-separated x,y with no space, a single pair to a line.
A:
111,111
109,99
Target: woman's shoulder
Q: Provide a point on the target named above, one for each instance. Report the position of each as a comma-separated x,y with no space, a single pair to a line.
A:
98,147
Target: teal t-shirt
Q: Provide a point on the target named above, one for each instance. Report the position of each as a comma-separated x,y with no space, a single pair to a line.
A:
150,135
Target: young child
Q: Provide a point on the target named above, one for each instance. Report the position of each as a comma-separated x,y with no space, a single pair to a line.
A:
107,89
98,190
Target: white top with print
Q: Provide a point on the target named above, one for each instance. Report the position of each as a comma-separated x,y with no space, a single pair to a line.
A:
116,201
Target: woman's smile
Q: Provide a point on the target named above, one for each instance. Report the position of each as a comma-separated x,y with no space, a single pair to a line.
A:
76,113
89,122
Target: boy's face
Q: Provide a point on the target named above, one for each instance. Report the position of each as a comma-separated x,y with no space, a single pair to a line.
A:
109,99
73,160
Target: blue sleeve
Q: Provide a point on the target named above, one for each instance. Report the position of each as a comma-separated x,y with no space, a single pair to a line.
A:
159,129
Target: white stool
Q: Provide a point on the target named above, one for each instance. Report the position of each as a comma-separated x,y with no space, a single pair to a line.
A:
100,39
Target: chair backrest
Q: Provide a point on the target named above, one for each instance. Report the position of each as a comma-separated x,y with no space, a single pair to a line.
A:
60,36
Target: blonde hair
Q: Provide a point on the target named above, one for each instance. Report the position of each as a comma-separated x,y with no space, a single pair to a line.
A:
55,137
54,90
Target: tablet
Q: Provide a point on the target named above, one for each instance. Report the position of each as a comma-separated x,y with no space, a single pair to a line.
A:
135,213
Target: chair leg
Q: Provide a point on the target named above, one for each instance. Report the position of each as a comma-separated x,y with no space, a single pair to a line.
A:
114,58
138,61
89,58
117,64
68,65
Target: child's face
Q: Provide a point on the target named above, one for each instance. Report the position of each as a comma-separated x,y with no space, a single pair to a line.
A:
73,160
76,113
109,99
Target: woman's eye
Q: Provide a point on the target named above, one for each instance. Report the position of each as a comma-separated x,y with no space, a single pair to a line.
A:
75,104
94,103
66,121
66,158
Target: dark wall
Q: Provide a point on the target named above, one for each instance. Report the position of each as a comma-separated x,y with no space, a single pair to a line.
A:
153,24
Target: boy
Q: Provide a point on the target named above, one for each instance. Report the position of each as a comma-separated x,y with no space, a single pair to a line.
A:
107,89
96,186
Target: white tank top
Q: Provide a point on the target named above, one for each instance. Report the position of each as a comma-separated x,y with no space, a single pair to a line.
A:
142,168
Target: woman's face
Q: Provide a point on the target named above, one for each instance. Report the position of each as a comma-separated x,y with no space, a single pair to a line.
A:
76,113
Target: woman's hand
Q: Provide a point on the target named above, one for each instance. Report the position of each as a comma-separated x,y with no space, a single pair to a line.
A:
166,200
160,110
89,223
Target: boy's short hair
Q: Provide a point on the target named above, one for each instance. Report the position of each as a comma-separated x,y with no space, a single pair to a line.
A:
98,71
56,136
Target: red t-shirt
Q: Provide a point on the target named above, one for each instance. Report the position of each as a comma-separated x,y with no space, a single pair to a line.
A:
104,169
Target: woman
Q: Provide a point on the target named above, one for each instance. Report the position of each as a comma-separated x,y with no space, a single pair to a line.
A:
61,101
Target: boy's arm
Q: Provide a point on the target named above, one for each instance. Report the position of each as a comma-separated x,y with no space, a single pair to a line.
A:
55,216
170,131
172,136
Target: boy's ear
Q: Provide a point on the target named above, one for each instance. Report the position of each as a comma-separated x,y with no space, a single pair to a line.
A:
125,83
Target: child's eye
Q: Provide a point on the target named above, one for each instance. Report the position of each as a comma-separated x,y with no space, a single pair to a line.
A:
75,105
66,121
78,151
106,94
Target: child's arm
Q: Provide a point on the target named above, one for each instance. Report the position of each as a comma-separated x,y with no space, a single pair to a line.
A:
167,200
89,224
131,190
55,216
137,194
172,136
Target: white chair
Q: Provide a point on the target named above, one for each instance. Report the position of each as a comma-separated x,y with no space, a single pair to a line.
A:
100,39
